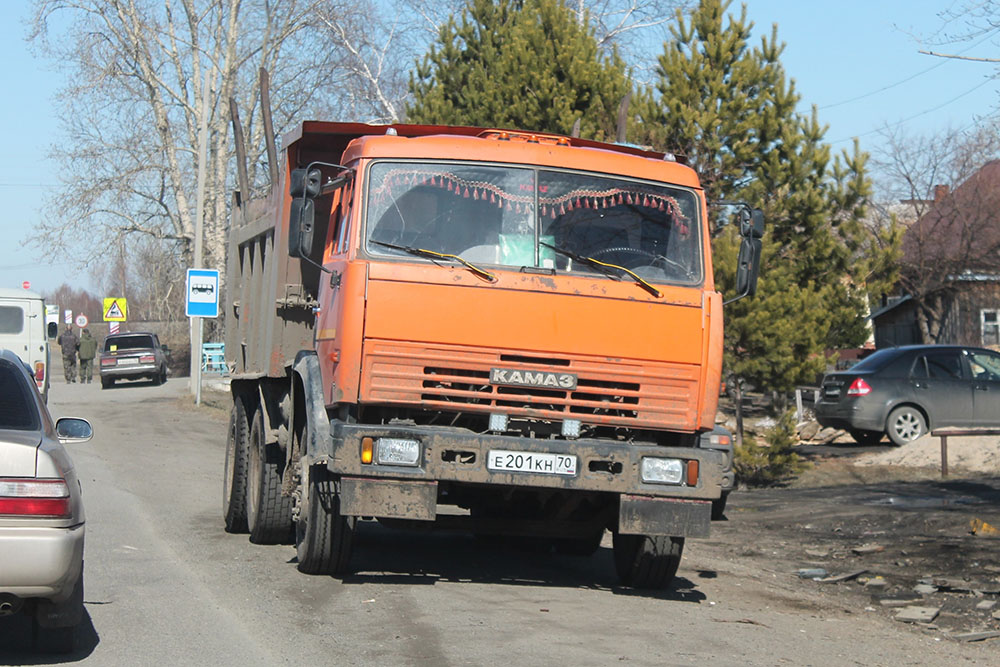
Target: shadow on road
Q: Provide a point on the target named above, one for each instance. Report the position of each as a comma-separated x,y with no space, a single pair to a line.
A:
417,558
16,645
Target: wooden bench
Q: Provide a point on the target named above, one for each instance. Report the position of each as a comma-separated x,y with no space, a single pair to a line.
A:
945,433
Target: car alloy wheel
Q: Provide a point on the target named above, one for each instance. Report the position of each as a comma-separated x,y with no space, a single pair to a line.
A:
906,424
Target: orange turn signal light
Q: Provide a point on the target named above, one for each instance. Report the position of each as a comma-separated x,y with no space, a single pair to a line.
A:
367,450
692,473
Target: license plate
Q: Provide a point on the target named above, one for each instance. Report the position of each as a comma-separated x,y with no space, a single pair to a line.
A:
546,464
128,362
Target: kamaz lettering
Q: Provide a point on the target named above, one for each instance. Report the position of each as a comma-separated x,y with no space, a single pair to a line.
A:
517,378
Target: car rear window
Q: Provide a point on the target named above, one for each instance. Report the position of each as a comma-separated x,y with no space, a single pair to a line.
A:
11,320
127,343
877,360
17,407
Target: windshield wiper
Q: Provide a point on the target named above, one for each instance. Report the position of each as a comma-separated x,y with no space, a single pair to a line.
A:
604,267
431,254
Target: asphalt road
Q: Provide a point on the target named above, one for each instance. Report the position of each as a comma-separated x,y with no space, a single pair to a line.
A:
165,585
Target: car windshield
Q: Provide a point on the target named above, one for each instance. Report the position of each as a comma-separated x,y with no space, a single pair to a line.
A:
117,343
17,409
523,217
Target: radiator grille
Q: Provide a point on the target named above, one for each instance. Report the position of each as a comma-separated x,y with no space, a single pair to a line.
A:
458,379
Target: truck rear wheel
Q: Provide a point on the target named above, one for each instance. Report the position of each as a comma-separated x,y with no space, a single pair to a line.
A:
647,561
234,483
323,537
269,514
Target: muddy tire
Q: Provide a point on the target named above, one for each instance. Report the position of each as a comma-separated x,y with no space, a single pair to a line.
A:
53,640
323,537
107,383
905,424
53,627
269,514
647,561
719,507
234,478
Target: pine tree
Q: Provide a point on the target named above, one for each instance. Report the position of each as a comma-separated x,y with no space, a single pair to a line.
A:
519,64
731,111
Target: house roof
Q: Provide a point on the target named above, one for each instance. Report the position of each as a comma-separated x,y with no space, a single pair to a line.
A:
962,230
885,309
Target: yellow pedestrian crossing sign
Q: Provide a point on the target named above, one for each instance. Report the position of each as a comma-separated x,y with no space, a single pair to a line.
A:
115,309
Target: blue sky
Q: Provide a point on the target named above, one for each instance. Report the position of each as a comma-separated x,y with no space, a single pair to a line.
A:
858,62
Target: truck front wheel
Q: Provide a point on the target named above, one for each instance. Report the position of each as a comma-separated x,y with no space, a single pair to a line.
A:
234,483
323,537
269,513
647,561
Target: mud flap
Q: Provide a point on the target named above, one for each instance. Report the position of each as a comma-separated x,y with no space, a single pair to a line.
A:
388,498
648,515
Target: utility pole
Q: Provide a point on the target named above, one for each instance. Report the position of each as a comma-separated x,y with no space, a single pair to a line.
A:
197,325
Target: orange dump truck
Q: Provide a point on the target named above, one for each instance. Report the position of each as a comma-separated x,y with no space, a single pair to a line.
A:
512,334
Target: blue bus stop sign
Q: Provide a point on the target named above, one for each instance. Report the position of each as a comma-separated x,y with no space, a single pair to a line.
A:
202,293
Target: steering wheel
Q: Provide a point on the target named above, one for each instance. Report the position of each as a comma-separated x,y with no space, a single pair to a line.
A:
623,249
655,259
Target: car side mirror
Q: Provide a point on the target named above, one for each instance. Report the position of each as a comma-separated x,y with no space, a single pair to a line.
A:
73,429
53,330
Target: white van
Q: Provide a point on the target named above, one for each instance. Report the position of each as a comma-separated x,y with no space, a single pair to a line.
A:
23,331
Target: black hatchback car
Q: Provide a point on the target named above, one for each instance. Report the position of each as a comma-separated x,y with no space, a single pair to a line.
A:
903,392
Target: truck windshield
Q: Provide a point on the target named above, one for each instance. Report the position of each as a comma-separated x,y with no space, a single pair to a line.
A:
518,216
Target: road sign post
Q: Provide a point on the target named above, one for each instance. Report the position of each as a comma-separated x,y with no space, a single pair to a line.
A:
202,301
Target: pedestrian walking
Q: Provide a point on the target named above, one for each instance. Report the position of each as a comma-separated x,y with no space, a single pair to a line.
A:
87,350
69,343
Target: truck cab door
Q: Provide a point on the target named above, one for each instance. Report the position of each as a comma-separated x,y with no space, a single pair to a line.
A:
330,317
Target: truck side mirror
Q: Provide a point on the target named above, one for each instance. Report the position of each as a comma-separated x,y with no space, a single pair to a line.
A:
53,330
748,266
305,183
301,224
752,223
757,223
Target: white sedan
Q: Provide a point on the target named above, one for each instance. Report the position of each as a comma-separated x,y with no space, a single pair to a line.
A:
41,511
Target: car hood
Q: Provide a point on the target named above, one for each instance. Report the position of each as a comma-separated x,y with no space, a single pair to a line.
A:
18,452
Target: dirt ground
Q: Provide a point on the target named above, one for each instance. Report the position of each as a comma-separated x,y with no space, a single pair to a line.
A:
884,529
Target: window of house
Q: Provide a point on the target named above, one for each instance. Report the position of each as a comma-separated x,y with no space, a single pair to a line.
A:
990,327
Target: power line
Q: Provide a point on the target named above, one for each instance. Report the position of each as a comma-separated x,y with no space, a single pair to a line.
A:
909,78
916,115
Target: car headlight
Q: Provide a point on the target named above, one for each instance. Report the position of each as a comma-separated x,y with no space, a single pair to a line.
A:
662,471
397,452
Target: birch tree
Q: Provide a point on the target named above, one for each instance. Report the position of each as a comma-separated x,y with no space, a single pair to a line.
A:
139,72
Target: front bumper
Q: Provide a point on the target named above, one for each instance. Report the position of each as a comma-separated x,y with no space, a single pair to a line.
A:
458,456
40,562
451,454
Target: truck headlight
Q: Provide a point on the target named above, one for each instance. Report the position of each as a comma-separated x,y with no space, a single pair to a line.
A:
662,471
397,452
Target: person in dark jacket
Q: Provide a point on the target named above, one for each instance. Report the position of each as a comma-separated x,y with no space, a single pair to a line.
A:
87,350
69,342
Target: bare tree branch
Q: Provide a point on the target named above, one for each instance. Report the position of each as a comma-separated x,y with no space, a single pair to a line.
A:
960,57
